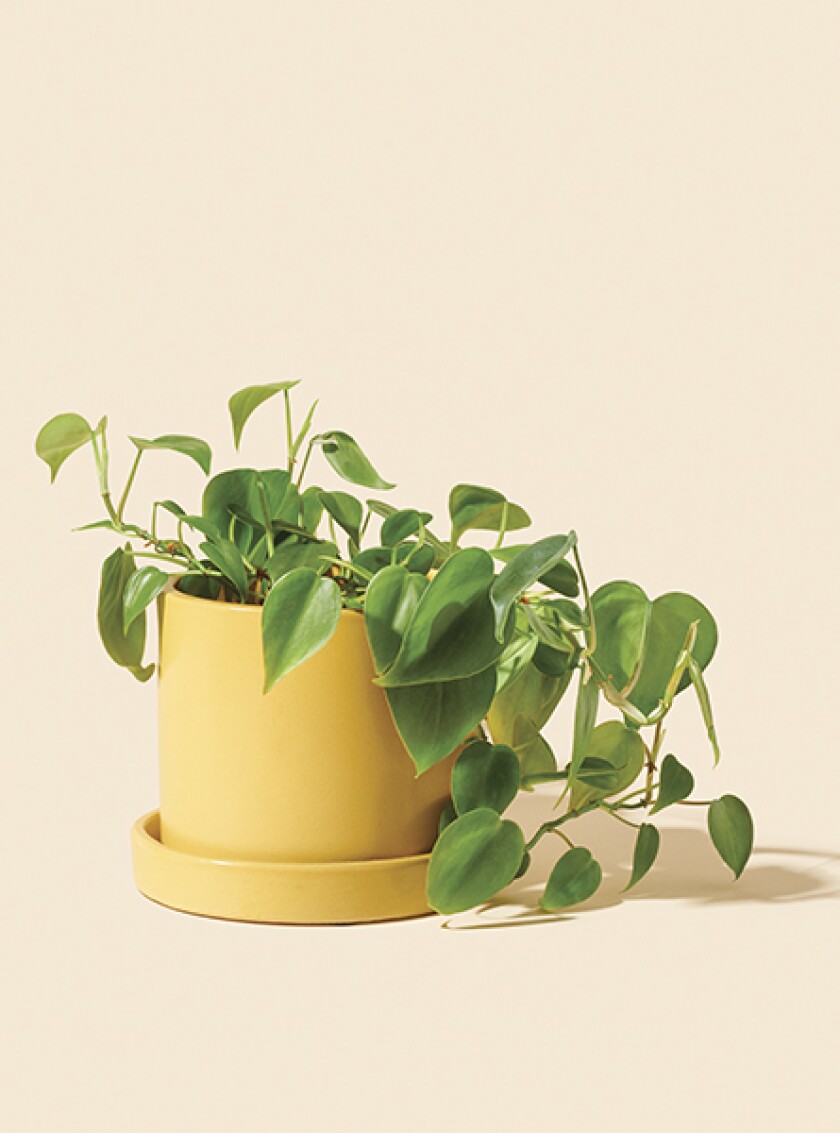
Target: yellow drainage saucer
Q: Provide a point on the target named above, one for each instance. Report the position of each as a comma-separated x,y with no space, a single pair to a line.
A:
277,893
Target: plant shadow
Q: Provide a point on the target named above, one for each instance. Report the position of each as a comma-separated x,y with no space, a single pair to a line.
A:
687,869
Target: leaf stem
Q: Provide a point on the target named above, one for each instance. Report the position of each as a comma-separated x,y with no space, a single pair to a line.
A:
128,484
620,818
290,456
551,825
591,638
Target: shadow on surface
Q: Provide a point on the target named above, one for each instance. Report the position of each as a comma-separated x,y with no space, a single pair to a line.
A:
687,869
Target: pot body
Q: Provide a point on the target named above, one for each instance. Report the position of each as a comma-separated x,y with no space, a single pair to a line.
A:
312,771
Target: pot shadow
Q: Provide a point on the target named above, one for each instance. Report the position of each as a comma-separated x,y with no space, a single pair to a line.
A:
687,868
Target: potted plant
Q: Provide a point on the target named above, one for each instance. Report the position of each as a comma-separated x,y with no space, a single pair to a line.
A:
344,719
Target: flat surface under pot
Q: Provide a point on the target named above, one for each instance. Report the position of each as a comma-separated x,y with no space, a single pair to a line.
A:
277,893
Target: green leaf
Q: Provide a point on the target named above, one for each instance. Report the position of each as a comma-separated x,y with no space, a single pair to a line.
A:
193,447
533,751
234,488
123,646
620,747
239,492
60,438
349,461
621,612
392,598
586,711
141,589
304,429
451,635
553,662
290,556
205,526
670,618
561,578
299,617
475,857
433,719
225,555
695,674
199,585
568,613
523,571
644,855
514,658
575,877
485,775
447,817
402,525
245,401
417,557
639,642
347,511
530,694
311,508
675,783
483,509
731,830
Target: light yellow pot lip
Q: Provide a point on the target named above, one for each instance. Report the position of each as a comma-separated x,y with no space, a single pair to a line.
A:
238,609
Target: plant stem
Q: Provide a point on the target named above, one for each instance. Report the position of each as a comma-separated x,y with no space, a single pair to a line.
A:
609,810
290,456
653,755
306,457
548,827
591,640
128,484
503,525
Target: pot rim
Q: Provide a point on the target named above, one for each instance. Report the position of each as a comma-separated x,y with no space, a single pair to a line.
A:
238,608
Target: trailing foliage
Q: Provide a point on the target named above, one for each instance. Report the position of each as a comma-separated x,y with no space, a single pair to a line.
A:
473,646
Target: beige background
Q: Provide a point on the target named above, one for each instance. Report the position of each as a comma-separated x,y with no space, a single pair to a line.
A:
586,253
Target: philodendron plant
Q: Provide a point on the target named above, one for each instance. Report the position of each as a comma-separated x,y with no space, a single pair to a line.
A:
468,644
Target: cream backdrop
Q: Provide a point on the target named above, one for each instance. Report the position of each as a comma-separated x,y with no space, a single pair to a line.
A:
586,253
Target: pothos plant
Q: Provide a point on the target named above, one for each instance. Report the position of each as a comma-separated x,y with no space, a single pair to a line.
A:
468,643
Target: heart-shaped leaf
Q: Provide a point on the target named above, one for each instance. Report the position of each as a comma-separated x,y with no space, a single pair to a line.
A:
141,589
451,635
531,694
349,461
561,578
392,597
575,877
475,508
60,438
291,555
485,775
433,719
402,525
639,642
243,403
193,447
347,511
523,571
532,750
644,854
225,555
123,646
311,508
731,830
475,856
299,617
621,748
675,783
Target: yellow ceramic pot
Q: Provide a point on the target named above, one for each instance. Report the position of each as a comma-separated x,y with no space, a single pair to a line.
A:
309,781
